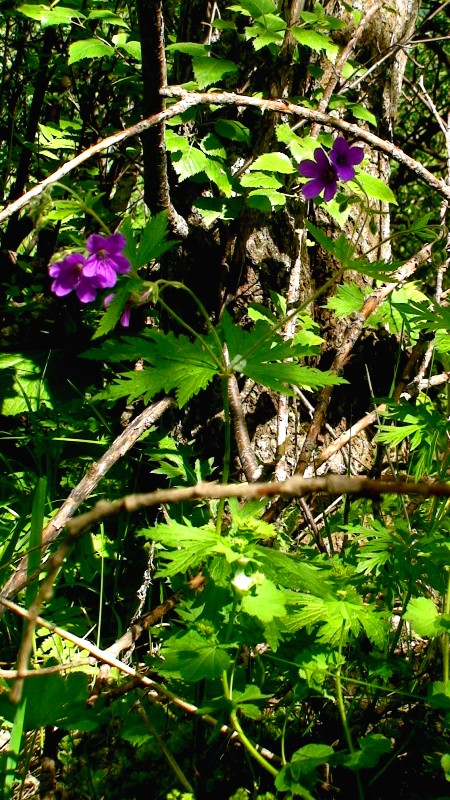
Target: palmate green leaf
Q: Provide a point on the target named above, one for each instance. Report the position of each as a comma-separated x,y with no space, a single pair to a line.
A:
23,386
281,377
372,748
191,546
154,240
424,617
176,363
338,617
267,602
291,571
192,658
209,70
349,297
257,355
89,48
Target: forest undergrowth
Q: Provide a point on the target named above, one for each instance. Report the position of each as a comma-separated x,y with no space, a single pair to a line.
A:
224,400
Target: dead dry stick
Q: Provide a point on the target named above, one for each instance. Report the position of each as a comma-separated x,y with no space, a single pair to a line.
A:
88,483
143,680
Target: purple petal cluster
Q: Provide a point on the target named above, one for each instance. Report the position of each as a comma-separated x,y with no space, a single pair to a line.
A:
87,274
325,171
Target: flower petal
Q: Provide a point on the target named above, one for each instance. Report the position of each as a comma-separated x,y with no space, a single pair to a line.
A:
313,188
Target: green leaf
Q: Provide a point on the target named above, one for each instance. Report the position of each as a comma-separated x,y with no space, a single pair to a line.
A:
360,112
191,546
266,603
107,16
89,48
260,180
208,70
192,658
257,8
316,41
132,48
51,15
53,700
266,200
372,748
154,240
273,162
424,617
114,310
23,386
231,129
213,208
349,297
188,48
374,187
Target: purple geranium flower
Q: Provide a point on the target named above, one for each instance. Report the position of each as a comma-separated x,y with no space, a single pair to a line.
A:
323,173
106,259
68,275
344,158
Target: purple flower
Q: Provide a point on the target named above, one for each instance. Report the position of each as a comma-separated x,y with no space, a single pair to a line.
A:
344,158
68,275
106,260
323,173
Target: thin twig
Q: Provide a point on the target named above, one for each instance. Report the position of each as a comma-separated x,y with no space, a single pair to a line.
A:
88,483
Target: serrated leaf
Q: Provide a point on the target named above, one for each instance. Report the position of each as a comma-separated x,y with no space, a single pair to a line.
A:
192,658
51,15
266,604
375,187
360,112
316,41
188,48
372,748
233,130
153,242
260,180
89,48
114,310
266,200
257,8
22,385
281,377
208,70
273,162
108,16
133,49
190,163
213,208
349,297
219,174
424,617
